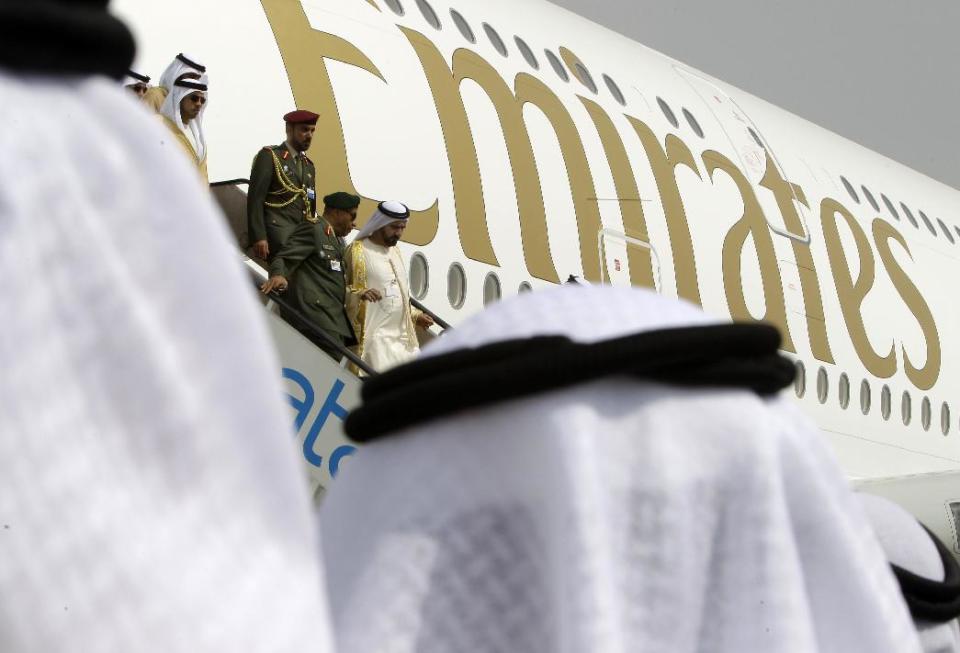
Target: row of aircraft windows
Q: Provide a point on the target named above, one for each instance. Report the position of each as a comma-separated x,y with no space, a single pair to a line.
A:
493,291
456,283
886,399
581,72
903,207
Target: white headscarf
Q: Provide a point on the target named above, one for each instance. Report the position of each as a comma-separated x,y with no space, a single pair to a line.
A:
908,546
611,516
379,219
149,496
178,67
171,110
129,79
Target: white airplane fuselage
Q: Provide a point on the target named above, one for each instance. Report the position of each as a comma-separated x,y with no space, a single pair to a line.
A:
523,170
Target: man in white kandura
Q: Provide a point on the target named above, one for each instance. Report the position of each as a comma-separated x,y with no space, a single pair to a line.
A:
378,298
182,113
129,324
182,66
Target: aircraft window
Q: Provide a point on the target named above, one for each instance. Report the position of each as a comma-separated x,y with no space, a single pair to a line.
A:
756,137
893,211
395,6
557,66
844,391
905,408
946,231
694,125
584,76
909,215
886,403
429,14
870,198
614,90
456,285
823,386
925,413
527,52
462,25
525,287
495,39
800,380
926,221
853,193
668,112
865,397
945,418
419,276
491,289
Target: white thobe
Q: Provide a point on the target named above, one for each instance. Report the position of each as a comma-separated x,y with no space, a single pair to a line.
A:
150,500
389,335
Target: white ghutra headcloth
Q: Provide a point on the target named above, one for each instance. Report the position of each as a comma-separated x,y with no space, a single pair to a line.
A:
613,515
384,214
149,499
181,64
171,109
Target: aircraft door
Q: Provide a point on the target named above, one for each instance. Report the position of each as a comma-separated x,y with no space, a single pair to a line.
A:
748,142
618,252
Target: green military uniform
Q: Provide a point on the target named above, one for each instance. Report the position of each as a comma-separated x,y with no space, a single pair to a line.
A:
312,261
282,194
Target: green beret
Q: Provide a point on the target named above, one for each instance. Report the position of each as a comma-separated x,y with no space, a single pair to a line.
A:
341,200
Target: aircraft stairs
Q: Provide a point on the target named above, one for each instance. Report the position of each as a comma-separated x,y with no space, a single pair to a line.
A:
320,390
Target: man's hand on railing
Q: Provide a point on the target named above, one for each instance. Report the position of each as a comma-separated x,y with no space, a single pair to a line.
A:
277,282
261,249
424,320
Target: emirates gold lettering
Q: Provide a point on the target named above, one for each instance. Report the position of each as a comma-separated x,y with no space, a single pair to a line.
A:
306,51
751,225
923,377
852,292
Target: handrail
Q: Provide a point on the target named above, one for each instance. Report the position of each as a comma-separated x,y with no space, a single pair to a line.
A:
440,322
443,324
229,182
352,357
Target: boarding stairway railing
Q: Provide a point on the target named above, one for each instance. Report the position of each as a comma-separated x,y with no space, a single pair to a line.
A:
320,390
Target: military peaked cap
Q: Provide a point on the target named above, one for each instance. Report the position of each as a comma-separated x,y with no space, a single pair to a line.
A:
341,200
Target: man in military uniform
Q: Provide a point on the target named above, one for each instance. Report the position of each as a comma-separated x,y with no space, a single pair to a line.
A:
282,191
311,263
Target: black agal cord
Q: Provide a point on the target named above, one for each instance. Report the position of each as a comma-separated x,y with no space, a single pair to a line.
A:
932,600
726,355
721,356
63,37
